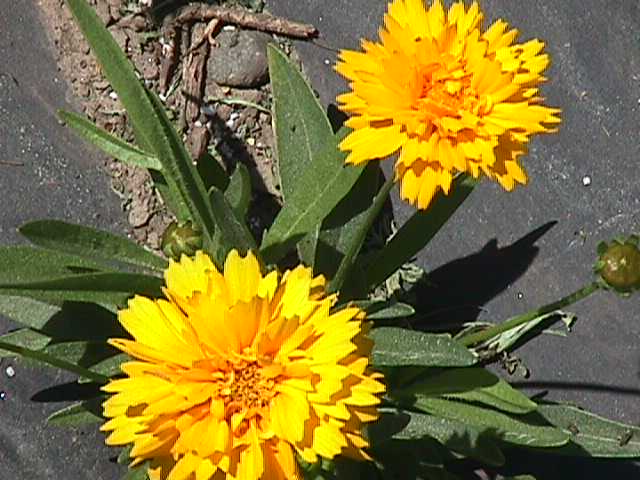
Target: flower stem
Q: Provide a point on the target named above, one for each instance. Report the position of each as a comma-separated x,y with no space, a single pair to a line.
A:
514,322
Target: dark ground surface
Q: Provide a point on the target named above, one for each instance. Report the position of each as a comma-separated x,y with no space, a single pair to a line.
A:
56,176
595,79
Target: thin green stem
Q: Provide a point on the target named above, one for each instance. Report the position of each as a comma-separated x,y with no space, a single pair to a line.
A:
54,362
483,335
356,245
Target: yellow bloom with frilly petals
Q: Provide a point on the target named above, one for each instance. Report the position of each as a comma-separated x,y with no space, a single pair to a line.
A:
446,95
235,372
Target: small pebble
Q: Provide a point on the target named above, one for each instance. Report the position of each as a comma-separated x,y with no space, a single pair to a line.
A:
586,180
327,61
3,395
520,295
113,95
10,371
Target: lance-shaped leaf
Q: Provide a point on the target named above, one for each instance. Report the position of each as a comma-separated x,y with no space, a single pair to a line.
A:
101,288
24,337
78,414
317,192
90,243
27,311
592,435
480,444
238,192
301,129
25,264
518,430
398,346
385,310
473,385
109,144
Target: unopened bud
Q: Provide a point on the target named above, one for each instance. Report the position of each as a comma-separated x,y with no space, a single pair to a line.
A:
619,264
181,238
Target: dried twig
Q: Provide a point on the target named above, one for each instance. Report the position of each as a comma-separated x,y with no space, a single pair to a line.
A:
13,164
257,21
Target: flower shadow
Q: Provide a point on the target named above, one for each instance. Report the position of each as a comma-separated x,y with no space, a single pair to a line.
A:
456,292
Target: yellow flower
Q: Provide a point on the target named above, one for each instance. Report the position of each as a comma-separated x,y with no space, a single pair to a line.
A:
448,96
237,372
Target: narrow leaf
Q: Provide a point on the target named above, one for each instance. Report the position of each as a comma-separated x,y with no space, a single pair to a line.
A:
24,337
109,144
462,439
301,126
77,414
301,129
474,385
318,191
232,227
47,359
592,435
398,346
102,288
25,264
27,311
416,232
89,243
238,192
385,310
510,429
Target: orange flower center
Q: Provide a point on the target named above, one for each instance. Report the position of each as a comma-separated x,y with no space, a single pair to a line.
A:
246,388
444,91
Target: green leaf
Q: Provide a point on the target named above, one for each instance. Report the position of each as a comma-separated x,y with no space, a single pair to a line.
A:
473,385
42,357
78,414
348,226
458,437
110,367
592,435
233,229
238,192
385,309
137,473
24,337
109,144
85,354
301,126
398,346
25,264
416,232
27,311
101,288
89,243
318,191
212,173
301,129
515,430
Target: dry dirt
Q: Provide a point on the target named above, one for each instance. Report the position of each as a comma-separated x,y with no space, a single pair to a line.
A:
228,133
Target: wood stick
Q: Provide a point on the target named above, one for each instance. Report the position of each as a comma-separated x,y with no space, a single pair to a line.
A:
256,21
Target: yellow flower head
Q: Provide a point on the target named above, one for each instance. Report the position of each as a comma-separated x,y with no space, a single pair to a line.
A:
236,372
448,96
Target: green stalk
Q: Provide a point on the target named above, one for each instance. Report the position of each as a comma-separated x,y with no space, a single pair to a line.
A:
349,258
491,332
43,357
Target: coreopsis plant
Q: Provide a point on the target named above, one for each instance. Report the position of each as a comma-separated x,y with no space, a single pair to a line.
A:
214,365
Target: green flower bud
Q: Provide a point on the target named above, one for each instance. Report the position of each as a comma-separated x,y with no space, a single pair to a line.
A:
619,264
181,238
